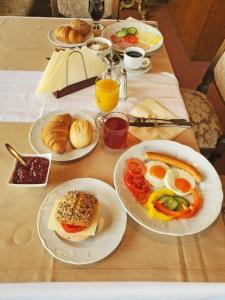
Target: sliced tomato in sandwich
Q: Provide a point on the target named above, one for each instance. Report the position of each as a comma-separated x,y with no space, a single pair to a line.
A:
72,228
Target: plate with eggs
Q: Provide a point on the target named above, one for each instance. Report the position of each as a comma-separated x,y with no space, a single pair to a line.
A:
168,187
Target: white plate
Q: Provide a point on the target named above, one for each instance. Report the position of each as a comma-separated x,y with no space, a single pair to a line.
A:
110,230
52,39
70,153
113,28
210,188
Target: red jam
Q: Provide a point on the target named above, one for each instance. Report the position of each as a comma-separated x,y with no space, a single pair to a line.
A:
35,172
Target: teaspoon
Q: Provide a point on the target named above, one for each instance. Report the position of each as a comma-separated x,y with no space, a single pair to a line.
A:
16,154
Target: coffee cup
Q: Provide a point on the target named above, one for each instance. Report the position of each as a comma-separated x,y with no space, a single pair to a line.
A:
134,58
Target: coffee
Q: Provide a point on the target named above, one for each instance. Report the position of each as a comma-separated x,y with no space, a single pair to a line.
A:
134,58
134,54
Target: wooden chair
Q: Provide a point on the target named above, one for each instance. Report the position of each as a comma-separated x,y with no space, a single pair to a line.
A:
141,4
223,205
206,125
71,8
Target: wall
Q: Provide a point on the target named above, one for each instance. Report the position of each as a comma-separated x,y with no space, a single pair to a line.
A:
200,25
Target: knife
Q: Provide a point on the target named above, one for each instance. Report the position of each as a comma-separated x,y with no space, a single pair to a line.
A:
157,122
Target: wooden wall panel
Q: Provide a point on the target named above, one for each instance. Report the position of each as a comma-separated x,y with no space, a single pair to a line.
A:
200,25
213,32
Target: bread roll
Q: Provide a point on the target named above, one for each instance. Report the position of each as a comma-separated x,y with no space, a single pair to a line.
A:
81,133
81,26
75,208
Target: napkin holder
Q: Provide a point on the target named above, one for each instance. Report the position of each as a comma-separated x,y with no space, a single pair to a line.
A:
69,89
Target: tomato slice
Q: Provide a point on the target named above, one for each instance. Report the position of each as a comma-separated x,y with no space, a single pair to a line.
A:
115,39
131,39
142,198
72,228
136,185
136,167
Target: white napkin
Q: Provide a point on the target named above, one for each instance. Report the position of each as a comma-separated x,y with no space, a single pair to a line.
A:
57,76
149,108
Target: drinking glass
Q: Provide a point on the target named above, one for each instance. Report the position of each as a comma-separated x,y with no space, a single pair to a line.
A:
106,94
96,10
115,130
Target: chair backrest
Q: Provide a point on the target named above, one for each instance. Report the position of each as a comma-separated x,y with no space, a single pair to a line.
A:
79,8
219,75
209,75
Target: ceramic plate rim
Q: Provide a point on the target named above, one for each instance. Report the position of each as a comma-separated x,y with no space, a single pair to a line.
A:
139,71
122,211
190,150
61,157
135,24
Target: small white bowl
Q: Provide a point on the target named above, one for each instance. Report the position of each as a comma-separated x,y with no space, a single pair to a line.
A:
99,40
47,156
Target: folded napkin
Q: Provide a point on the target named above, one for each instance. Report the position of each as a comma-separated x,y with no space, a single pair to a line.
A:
57,76
149,108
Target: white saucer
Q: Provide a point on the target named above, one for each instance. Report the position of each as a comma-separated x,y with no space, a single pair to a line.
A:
142,70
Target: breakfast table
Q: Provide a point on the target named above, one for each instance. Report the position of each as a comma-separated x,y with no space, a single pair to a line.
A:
142,255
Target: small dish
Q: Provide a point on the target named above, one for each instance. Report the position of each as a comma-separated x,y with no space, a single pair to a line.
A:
99,46
47,156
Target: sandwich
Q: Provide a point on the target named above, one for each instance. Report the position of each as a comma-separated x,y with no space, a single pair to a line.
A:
75,216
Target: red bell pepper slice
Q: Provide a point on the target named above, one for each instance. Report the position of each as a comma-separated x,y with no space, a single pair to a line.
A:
187,213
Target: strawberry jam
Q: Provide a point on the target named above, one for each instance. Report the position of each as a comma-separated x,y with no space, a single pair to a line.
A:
35,172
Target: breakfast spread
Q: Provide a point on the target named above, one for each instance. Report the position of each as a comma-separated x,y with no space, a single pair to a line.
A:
34,173
75,216
55,133
162,185
59,130
73,33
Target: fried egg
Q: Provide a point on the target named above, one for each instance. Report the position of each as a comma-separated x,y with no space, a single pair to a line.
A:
155,173
179,181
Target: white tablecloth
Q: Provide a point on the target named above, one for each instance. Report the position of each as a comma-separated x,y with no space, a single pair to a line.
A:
19,103
113,291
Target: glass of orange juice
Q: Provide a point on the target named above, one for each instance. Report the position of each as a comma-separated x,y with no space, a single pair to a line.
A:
107,94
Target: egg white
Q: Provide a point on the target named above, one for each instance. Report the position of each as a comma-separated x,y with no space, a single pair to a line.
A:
154,181
175,173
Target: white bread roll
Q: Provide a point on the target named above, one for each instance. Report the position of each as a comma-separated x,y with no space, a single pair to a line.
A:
81,133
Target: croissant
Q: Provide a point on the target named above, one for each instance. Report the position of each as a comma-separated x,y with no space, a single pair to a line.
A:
68,35
55,133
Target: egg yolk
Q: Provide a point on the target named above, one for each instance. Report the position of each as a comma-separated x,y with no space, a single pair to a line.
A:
157,171
182,184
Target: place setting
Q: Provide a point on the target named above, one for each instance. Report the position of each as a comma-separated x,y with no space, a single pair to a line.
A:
106,177
68,135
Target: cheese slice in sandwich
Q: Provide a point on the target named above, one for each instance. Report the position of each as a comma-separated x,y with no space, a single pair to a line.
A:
62,211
